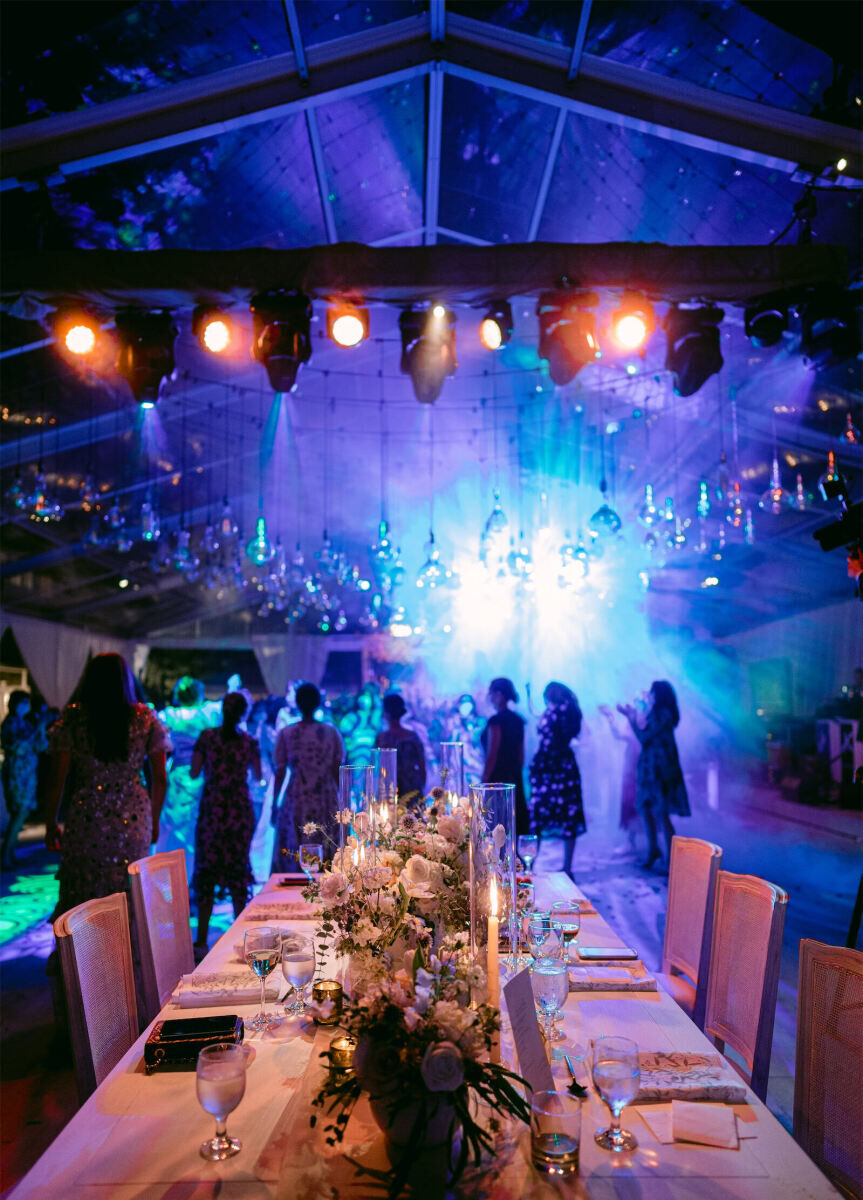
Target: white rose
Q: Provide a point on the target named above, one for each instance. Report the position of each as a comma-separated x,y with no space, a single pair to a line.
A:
498,836
452,1019
334,888
361,823
418,869
412,1019
376,877
389,858
451,828
442,1067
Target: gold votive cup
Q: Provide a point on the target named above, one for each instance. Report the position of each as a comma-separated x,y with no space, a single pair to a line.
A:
328,990
341,1053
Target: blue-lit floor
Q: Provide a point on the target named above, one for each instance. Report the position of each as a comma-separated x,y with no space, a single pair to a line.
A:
816,854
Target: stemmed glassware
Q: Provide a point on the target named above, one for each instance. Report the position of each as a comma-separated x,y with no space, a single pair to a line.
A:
261,947
311,858
298,968
566,923
221,1083
616,1074
550,980
542,938
528,848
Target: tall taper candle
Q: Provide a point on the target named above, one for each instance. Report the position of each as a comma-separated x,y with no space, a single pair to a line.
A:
493,937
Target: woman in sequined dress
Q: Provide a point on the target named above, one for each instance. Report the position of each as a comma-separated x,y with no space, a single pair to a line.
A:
555,780
100,745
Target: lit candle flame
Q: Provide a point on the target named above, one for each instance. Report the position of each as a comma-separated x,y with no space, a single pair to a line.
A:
493,896
385,812
363,853
355,857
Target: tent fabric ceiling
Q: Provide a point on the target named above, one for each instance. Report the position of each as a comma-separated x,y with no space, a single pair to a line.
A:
509,168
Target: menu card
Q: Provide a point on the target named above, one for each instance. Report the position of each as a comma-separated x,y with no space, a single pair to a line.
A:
533,1062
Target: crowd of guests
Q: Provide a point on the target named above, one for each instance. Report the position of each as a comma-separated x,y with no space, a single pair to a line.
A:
205,775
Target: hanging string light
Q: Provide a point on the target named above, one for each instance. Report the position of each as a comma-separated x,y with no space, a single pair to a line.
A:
605,522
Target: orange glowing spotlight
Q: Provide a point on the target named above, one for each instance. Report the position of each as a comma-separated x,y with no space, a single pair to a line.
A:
634,322
347,324
77,331
213,329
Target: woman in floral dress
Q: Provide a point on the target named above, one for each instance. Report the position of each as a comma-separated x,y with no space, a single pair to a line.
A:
660,789
314,752
555,779
100,745
22,739
226,818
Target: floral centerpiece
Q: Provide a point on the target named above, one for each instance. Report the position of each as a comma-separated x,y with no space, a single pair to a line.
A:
422,1056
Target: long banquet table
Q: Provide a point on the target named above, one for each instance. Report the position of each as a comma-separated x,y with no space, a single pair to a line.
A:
137,1136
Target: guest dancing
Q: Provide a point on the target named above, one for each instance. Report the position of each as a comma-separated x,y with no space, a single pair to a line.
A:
503,743
23,738
555,780
101,745
185,718
410,755
660,790
313,751
226,818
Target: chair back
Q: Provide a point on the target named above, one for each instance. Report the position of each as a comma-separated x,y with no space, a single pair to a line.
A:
748,920
828,1097
160,905
689,916
96,960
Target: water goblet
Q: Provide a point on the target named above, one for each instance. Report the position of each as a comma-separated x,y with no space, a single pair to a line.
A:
537,932
220,1084
311,858
616,1074
261,947
528,848
550,981
298,968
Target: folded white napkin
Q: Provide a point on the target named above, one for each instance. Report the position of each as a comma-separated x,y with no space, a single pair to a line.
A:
680,1075
707,1124
203,990
596,978
290,910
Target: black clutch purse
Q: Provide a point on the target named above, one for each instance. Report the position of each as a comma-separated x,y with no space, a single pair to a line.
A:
176,1044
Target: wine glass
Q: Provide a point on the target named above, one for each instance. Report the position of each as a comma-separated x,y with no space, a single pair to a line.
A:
221,1083
550,980
616,1074
528,848
298,968
261,947
311,858
566,924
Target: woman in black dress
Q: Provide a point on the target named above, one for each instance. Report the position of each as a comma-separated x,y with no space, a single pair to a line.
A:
503,743
555,780
660,789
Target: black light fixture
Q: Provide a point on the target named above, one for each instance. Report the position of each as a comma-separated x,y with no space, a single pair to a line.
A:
495,329
567,332
145,351
428,349
692,351
281,338
766,320
829,328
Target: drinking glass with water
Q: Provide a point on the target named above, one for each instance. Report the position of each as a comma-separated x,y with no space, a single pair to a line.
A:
262,947
555,1132
616,1074
221,1084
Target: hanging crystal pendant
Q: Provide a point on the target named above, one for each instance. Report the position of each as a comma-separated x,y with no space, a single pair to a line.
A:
38,498
114,517
93,536
87,494
703,506
702,545
735,514
184,560
150,528
776,497
719,484
16,493
572,567
397,574
850,434
605,523
718,547
648,514
210,539
431,573
519,559
492,539
830,481
676,539
497,522
800,502
749,528
227,525
382,553
341,621
259,549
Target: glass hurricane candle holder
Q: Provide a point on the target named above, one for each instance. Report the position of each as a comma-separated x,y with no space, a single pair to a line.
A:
491,851
386,778
452,773
356,795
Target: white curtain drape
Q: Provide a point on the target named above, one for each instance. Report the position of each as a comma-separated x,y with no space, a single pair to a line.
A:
55,654
283,658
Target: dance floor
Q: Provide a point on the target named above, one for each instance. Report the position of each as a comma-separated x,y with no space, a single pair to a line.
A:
813,853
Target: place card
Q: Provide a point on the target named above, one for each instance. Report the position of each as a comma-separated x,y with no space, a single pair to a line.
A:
533,1062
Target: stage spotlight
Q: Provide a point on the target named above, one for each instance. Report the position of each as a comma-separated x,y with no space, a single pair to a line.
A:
428,349
77,331
212,328
347,325
692,352
766,321
495,329
567,333
829,329
282,342
633,323
145,351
